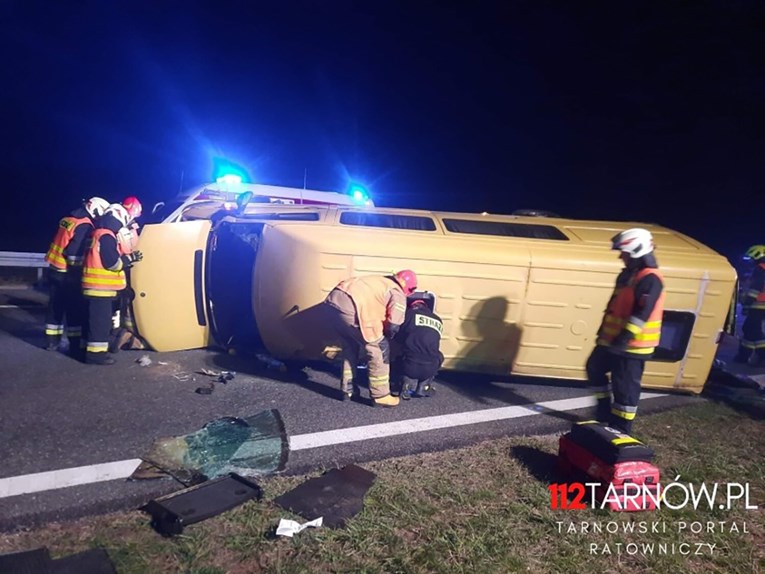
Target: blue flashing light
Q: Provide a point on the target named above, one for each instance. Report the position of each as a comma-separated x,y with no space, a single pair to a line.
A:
358,193
230,179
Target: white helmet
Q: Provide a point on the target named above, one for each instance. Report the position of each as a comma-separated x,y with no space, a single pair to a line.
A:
118,211
635,242
96,206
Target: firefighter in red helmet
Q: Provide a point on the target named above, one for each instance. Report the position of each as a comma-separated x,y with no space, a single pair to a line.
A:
367,311
122,319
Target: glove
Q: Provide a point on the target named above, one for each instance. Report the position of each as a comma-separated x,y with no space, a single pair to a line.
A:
130,258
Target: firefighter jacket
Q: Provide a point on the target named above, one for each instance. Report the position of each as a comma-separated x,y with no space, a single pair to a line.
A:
754,298
632,322
380,302
102,272
68,246
420,337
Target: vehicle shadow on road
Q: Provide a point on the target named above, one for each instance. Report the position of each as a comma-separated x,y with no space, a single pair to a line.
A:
489,389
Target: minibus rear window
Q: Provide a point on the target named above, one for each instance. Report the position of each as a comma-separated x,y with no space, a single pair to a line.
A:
388,220
504,229
676,329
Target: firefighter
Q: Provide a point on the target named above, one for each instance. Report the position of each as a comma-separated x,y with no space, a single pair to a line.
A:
103,277
752,345
629,332
367,311
122,318
65,272
420,338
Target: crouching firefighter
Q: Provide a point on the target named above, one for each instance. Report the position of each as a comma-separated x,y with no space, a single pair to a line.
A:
630,330
103,276
421,357
366,312
65,273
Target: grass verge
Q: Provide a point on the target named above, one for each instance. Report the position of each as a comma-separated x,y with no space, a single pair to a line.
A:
480,509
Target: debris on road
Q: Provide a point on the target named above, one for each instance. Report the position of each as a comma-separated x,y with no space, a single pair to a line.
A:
208,390
171,513
292,527
143,360
252,446
337,495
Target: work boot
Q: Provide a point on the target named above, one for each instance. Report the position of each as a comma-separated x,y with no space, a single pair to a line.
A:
743,355
52,342
350,390
388,401
99,359
424,389
756,360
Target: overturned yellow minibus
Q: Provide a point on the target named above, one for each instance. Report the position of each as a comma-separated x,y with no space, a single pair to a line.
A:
518,295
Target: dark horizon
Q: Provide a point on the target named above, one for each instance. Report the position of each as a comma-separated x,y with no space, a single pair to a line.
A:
632,112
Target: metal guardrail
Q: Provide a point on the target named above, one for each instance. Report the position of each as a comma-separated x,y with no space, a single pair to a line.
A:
20,259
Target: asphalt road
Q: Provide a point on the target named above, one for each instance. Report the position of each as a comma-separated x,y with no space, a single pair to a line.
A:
56,413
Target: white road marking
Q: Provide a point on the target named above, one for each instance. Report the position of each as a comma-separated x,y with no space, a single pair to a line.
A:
41,481
21,306
64,477
340,436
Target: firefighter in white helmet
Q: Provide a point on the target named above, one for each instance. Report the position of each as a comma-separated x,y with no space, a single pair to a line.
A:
65,272
367,312
630,330
103,276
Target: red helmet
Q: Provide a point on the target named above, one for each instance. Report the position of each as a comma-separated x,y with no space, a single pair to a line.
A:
408,280
133,206
417,302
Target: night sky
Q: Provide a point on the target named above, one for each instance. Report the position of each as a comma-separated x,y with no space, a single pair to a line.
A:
643,111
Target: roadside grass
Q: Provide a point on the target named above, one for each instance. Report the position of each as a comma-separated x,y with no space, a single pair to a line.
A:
480,509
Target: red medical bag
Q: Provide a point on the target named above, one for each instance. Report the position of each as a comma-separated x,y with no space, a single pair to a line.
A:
620,459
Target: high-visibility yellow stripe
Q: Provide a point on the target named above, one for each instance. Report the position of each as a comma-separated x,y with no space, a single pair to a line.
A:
625,416
97,271
625,440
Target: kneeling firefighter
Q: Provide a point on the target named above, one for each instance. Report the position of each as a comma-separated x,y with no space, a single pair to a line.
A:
421,357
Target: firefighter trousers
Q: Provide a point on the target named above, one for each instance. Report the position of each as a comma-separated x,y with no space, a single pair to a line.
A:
54,317
355,348
626,373
753,334
99,324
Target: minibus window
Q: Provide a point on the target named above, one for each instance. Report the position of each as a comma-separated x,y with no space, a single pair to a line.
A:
504,229
282,216
676,329
388,220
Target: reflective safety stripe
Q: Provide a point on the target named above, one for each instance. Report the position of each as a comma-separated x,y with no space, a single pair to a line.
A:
97,347
74,331
51,329
379,381
637,351
624,440
601,395
627,413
